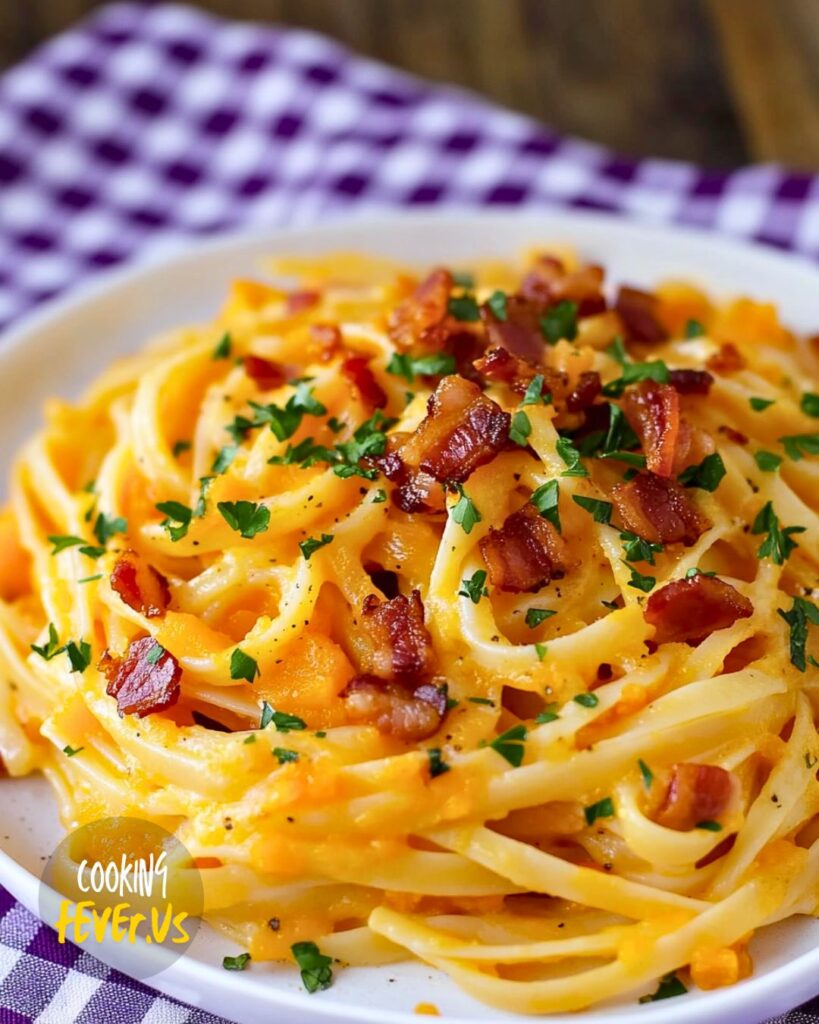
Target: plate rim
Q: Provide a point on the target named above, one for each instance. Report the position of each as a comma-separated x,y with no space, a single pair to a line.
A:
772,990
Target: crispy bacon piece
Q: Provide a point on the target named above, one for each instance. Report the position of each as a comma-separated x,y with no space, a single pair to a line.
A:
586,390
500,365
463,429
658,510
140,683
301,301
420,320
524,553
639,312
409,715
548,282
653,410
520,332
328,338
398,643
358,372
691,382
140,586
416,491
694,793
264,372
727,360
689,610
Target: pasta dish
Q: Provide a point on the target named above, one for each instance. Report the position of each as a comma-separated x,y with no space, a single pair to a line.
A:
466,615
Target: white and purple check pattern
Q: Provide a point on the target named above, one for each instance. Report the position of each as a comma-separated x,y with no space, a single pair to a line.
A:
148,123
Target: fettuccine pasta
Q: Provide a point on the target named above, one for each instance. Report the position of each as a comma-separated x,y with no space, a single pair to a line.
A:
468,617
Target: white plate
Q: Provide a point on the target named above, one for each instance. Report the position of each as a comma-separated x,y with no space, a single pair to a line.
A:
62,348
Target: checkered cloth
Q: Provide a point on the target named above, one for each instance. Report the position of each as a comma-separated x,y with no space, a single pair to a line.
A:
144,125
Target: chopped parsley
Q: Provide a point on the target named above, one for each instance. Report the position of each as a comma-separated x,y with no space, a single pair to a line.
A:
463,279
497,303
70,751
247,518
51,648
481,700
474,587
586,700
810,404
709,826
312,544
90,579
548,714
541,651
155,653
637,549
778,544
802,614
670,986
520,429
534,392
204,483
545,499
646,772
242,666
798,446
602,809
223,347
409,367
693,329
437,765
180,447
464,512
236,963
316,972
600,511
281,720
560,322
655,370
639,581
768,462
105,527
696,571
285,421
284,756
706,474
62,542
534,616
760,404
510,745
224,458
571,456
379,496
464,308
177,518
79,655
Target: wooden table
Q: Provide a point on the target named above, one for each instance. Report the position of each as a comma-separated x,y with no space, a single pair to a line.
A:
720,82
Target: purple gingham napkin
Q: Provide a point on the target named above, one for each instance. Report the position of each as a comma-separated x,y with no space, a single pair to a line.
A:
148,123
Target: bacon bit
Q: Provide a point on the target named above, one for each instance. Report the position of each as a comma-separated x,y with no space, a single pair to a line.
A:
499,364
328,338
689,610
658,510
416,491
140,686
654,412
140,586
693,445
300,302
548,283
691,382
392,709
359,374
420,319
524,553
520,332
733,435
588,387
727,360
695,793
265,373
463,429
640,313
399,645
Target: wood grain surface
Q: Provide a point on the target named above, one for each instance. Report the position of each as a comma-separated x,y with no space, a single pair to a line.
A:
720,82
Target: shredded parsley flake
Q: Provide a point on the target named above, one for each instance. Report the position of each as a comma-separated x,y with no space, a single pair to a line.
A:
177,518
316,972
223,347
464,512
281,720
768,462
760,404
242,666
778,544
801,614
571,457
247,518
586,700
312,544
534,616
560,322
70,751
464,308
437,765
534,392
474,587
510,745
602,809
646,772
706,474
520,429
545,499
600,511
409,367
670,986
